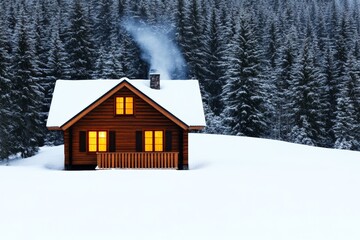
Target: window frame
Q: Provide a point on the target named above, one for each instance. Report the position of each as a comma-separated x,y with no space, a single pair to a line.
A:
97,141
124,114
154,140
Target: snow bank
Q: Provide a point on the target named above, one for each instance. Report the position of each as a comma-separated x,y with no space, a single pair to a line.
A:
238,188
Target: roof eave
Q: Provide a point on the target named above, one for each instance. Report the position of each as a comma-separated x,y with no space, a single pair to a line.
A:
196,128
52,128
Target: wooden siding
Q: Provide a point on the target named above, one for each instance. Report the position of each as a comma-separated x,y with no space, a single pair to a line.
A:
103,117
66,147
185,150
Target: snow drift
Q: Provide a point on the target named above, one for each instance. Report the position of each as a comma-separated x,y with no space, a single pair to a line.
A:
237,188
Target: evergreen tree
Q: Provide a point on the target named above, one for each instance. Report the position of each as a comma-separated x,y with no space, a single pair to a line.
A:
105,22
244,99
193,45
42,26
57,68
271,56
5,101
330,96
213,83
80,45
284,76
346,126
25,94
345,108
306,110
110,50
180,26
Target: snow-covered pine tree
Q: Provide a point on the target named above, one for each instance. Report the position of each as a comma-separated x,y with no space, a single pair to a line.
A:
193,47
57,68
43,21
243,94
319,25
5,88
80,44
9,14
179,18
307,126
345,128
284,75
330,96
26,93
104,22
214,72
179,22
345,119
121,8
109,64
271,45
347,125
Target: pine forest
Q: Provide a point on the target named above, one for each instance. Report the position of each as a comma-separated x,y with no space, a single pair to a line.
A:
278,69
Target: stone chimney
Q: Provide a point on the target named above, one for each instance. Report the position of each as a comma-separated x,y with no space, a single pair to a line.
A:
154,79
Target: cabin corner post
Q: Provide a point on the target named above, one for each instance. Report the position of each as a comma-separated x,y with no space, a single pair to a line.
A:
68,141
183,150
186,151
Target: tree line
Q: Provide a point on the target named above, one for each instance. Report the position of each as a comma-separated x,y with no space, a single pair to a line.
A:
279,69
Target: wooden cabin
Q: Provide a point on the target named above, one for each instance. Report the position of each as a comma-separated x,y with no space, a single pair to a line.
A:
126,123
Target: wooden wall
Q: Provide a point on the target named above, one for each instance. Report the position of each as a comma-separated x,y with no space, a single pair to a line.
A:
186,150
103,118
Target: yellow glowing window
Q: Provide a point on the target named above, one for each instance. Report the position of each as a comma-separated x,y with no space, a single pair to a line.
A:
148,141
97,141
92,141
129,105
102,141
158,141
124,105
119,105
154,141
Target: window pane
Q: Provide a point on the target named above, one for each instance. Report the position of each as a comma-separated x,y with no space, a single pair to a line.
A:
158,141
148,134
92,141
148,141
158,148
148,148
158,134
102,141
129,105
119,105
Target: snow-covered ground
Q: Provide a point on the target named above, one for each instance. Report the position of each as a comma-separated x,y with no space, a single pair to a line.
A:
237,188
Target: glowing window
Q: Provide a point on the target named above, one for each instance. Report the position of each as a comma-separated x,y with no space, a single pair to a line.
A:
119,105
124,106
92,141
97,141
129,105
154,141
158,141
102,146
148,141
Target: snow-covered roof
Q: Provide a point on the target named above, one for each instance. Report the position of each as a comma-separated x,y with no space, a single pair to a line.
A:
181,98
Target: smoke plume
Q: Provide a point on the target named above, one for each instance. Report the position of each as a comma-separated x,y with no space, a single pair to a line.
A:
158,50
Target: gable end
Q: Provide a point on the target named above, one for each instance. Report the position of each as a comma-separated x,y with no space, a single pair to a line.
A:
113,91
